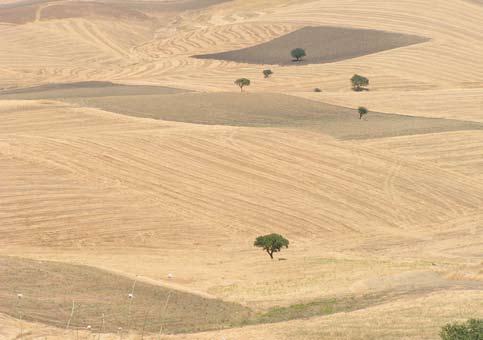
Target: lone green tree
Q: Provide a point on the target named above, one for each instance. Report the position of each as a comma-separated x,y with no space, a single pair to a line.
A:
471,330
298,53
358,82
362,112
267,73
271,243
242,82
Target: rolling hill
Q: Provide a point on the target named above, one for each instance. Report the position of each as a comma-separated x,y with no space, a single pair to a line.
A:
124,158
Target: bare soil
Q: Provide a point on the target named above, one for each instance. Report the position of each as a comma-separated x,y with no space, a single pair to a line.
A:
18,14
85,89
168,6
25,11
273,110
49,288
90,9
322,45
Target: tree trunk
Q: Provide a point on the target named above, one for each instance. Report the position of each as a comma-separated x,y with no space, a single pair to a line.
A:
270,253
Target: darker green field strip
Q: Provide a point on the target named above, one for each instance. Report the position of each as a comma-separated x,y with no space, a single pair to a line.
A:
322,44
318,308
272,110
49,288
339,305
299,311
89,89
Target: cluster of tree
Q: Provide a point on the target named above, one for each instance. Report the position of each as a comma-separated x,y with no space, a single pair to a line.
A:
297,53
359,83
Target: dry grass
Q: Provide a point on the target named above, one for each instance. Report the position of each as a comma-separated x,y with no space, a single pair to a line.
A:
416,318
149,197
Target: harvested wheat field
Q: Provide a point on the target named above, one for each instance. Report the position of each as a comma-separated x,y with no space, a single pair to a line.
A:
135,175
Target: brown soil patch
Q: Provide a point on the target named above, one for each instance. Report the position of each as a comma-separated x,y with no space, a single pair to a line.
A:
274,110
90,9
26,11
48,289
85,89
168,6
17,14
322,44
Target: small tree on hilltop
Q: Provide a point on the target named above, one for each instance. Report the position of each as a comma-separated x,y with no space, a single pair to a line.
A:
242,82
267,73
362,111
271,243
471,330
358,82
298,53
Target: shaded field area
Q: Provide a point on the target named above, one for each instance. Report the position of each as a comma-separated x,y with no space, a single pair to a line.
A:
28,11
18,13
49,288
322,44
90,9
84,89
170,5
272,110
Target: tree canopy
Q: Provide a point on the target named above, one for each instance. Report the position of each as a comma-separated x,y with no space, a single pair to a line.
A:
242,82
358,82
271,243
267,73
298,53
362,111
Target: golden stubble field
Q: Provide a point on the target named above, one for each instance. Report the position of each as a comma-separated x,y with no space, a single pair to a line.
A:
393,223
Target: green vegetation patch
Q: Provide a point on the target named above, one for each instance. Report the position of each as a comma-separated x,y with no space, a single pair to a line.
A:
298,311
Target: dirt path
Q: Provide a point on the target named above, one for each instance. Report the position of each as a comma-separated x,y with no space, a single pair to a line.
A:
38,12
